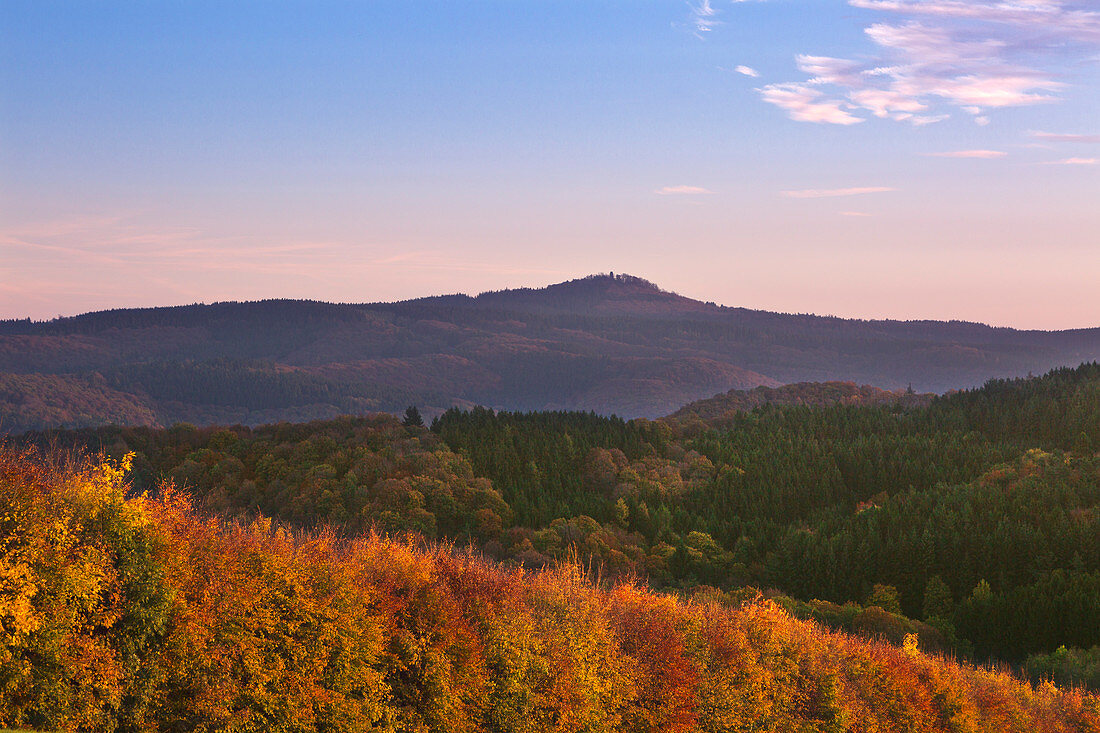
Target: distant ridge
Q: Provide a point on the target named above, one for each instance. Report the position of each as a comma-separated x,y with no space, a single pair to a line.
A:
609,343
720,409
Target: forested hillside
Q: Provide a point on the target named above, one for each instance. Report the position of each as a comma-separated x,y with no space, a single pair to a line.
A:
137,613
972,519
722,409
614,344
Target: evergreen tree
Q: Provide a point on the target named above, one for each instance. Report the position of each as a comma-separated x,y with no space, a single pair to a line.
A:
412,417
938,602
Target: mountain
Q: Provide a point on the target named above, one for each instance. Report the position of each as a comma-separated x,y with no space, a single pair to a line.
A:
609,343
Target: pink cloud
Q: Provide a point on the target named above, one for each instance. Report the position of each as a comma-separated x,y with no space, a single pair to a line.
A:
804,103
1055,16
681,191
819,193
976,56
1058,138
982,154
994,91
887,103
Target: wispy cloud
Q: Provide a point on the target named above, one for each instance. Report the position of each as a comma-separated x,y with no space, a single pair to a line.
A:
703,18
1061,138
980,154
1075,161
975,56
858,214
119,242
747,71
822,193
1067,20
682,191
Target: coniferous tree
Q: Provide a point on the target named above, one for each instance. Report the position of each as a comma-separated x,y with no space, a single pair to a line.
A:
412,417
938,602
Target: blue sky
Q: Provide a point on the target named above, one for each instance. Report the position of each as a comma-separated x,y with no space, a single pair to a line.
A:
868,158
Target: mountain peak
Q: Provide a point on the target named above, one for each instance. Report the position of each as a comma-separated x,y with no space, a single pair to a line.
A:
622,280
600,281
599,293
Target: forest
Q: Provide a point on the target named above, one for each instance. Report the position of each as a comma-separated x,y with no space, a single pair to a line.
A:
131,611
969,520
322,409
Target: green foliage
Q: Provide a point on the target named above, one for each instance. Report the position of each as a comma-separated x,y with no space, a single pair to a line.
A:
1062,608
543,462
884,597
1066,667
819,502
353,473
256,628
938,602
412,417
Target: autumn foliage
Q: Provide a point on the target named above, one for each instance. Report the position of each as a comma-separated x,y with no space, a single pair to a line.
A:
138,613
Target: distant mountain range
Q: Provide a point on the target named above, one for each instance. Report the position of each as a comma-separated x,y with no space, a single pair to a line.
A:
608,343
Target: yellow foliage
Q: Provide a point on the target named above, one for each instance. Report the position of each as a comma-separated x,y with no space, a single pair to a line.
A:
141,614
909,645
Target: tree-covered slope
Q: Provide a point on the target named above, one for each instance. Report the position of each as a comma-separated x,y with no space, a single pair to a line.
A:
29,401
140,614
613,344
977,512
722,409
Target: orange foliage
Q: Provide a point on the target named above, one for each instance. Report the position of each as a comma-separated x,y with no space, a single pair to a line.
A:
141,614
649,631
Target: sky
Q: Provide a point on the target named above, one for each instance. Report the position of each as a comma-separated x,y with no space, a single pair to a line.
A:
861,158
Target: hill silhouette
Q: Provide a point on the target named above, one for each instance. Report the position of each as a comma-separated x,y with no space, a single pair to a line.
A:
608,343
